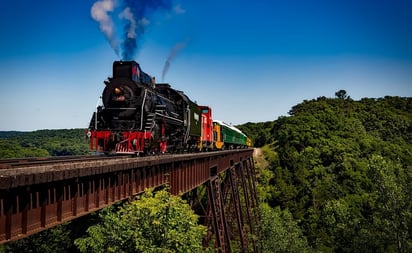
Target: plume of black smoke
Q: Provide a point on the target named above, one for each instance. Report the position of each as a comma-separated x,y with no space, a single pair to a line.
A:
135,17
136,14
129,43
173,53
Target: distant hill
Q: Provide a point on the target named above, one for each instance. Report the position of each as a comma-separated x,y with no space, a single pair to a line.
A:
10,134
14,144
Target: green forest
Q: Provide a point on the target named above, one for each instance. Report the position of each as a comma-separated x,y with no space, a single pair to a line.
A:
333,176
43,143
343,169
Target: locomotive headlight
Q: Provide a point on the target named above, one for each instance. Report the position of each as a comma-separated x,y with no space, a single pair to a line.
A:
118,91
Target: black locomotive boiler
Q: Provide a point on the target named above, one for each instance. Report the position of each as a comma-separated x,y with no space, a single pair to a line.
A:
140,116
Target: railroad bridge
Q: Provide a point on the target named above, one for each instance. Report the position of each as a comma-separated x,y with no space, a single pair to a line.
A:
37,195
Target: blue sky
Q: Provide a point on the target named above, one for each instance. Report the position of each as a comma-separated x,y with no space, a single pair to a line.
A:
251,61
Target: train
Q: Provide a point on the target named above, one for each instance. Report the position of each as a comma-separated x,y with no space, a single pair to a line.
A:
139,116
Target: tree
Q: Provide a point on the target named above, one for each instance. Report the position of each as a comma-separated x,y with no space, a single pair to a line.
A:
280,232
154,223
393,207
341,94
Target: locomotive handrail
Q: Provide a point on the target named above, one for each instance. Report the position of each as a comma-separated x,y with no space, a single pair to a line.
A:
168,117
120,108
142,109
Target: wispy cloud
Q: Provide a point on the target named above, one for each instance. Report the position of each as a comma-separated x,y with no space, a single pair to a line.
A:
178,9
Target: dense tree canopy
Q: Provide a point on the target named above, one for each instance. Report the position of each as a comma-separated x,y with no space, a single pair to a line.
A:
343,169
280,232
258,132
155,223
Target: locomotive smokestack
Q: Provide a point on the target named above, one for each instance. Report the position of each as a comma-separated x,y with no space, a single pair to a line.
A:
173,53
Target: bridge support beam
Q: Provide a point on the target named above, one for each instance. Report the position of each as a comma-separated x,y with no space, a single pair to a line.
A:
232,210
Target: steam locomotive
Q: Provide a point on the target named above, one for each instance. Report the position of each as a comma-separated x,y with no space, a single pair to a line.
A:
140,116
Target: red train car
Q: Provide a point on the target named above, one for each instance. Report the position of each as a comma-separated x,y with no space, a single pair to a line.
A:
206,142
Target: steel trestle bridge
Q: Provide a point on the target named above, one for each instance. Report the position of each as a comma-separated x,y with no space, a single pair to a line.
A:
38,194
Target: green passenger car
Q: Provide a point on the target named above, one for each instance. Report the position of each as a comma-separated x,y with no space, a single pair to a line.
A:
230,135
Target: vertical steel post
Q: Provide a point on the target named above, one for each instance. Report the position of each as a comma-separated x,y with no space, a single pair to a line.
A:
238,209
218,215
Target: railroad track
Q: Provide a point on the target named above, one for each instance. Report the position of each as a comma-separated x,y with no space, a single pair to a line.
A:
25,162
17,163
